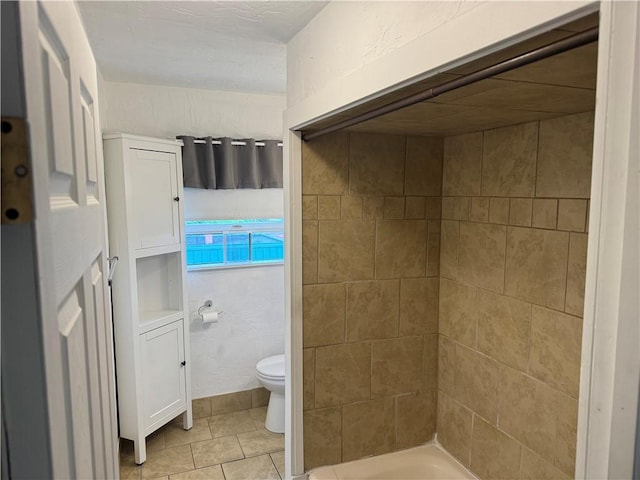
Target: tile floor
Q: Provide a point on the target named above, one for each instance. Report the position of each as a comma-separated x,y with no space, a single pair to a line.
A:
231,446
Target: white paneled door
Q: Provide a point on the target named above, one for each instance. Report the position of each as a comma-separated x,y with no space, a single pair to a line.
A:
60,84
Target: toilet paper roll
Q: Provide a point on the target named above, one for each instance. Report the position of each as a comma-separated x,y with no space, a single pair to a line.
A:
209,317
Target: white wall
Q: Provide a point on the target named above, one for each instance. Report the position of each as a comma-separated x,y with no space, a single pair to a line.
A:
169,111
223,355
318,55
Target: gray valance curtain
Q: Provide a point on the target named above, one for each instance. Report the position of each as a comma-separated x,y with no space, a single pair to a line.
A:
218,164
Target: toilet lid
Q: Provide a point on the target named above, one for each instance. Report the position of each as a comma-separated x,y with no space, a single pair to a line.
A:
272,366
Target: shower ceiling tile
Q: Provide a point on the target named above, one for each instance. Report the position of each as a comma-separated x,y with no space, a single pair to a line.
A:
574,68
532,97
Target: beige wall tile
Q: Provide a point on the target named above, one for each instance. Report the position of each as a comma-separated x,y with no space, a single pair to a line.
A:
434,207
309,252
458,311
343,374
520,212
503,328
463,208
345,250
201,407
524,403
454,428
396,366
586,228
493,454
481,255
393,207
536,268
479,209
309,207
564,156
449,208
572,215
376,164
509,160
433,253
373,207
424,166
446,364
372,310
231,402
476,382
415,207
576,271
419,306
325,165
308,378
429,363
555,349
462,164
351,208
259,397
535,467
416,419
449,238
322,437
545,213
566,437
401,248
328,207
369,428
499,210
323,314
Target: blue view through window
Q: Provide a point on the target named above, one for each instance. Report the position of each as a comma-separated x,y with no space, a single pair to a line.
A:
220,243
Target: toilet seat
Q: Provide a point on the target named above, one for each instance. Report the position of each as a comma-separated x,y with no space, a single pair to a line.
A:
271,367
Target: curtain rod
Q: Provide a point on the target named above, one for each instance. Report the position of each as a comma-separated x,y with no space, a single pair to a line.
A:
241,144
560,46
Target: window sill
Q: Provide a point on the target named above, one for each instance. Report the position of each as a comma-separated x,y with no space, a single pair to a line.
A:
200,268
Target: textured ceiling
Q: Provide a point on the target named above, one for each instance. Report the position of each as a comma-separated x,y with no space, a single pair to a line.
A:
230,45
558,85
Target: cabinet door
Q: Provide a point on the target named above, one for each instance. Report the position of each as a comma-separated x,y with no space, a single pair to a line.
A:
163,372
154,189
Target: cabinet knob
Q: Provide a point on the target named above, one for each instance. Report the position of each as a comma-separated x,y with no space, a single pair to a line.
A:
183,363
177,199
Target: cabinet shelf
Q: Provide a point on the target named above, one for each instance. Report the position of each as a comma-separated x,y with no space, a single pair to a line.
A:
161,250
150,319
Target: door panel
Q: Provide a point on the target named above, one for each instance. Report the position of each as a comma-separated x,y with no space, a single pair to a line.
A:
60,84
153,189
162,351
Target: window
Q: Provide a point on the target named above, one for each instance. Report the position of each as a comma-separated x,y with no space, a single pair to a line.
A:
229,243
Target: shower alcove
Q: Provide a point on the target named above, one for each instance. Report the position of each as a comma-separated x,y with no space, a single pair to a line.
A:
443,269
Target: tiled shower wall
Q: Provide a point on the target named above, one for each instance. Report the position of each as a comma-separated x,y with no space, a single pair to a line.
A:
371,232
513,253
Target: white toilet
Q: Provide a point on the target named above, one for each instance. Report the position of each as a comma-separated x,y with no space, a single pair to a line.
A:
270,372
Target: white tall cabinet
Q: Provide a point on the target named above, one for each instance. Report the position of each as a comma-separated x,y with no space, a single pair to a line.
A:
146,231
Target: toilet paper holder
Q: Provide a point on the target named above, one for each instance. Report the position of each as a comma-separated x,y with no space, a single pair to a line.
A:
207,304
